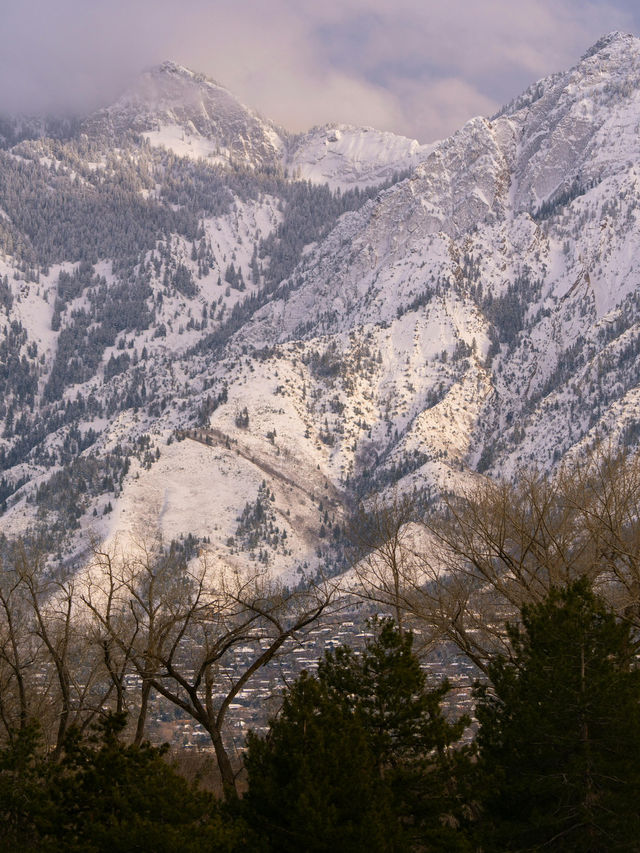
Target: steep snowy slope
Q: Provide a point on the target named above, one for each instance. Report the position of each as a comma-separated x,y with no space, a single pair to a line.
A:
345,156
517,240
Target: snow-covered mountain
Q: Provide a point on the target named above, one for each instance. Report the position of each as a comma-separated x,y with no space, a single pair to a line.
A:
174,108
343,156
199,335
171,106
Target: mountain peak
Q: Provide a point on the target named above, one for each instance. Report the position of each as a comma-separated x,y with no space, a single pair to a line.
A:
615,38
170,84
171,69
481,315
187,112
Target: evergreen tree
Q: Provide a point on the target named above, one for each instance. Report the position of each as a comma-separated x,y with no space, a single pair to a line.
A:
407,731
559,738
102,795
359,758
312,781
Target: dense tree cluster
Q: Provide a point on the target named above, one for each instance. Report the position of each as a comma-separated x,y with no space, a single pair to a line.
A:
66,493
257,527
122,307
559,736
18,372
359,758
99,216
100,795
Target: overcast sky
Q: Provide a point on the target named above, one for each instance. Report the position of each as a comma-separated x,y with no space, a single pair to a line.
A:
417,67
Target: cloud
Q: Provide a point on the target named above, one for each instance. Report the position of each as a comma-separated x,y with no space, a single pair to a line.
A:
421,67
434,110
495,47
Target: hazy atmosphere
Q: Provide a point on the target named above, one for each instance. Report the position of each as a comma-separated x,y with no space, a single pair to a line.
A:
415,67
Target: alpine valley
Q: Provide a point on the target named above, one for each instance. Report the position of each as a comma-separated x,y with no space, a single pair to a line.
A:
221,332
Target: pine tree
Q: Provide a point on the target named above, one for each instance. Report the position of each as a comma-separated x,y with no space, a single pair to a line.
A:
359,758
101,795
559,738
312,781
408,733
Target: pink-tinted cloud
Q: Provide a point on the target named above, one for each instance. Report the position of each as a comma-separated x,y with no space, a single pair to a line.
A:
420,67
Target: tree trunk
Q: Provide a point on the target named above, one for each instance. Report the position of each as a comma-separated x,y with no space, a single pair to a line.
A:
142,714
224,763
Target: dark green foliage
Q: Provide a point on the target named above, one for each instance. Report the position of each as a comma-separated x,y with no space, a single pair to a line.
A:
183,282
234,278
83,340
328,364
183,550
408,734
242,419
33,432
116,365
387,686
359,758
7,488
420,301
560,731
312,782
507,311
67,492
374,479
257,526
6,296
209,406
104,796
71,285
202,188
18,371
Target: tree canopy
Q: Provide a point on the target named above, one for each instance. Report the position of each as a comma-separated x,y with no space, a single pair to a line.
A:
359,757
559,738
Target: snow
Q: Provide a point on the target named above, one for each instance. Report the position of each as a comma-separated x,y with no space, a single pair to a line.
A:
397,295
175,138
344,157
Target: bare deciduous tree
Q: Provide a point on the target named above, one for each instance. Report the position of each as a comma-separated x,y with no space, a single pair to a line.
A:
384,560
462,570
47,668
195,634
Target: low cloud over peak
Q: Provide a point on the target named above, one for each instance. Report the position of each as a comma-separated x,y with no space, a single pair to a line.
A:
415,67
